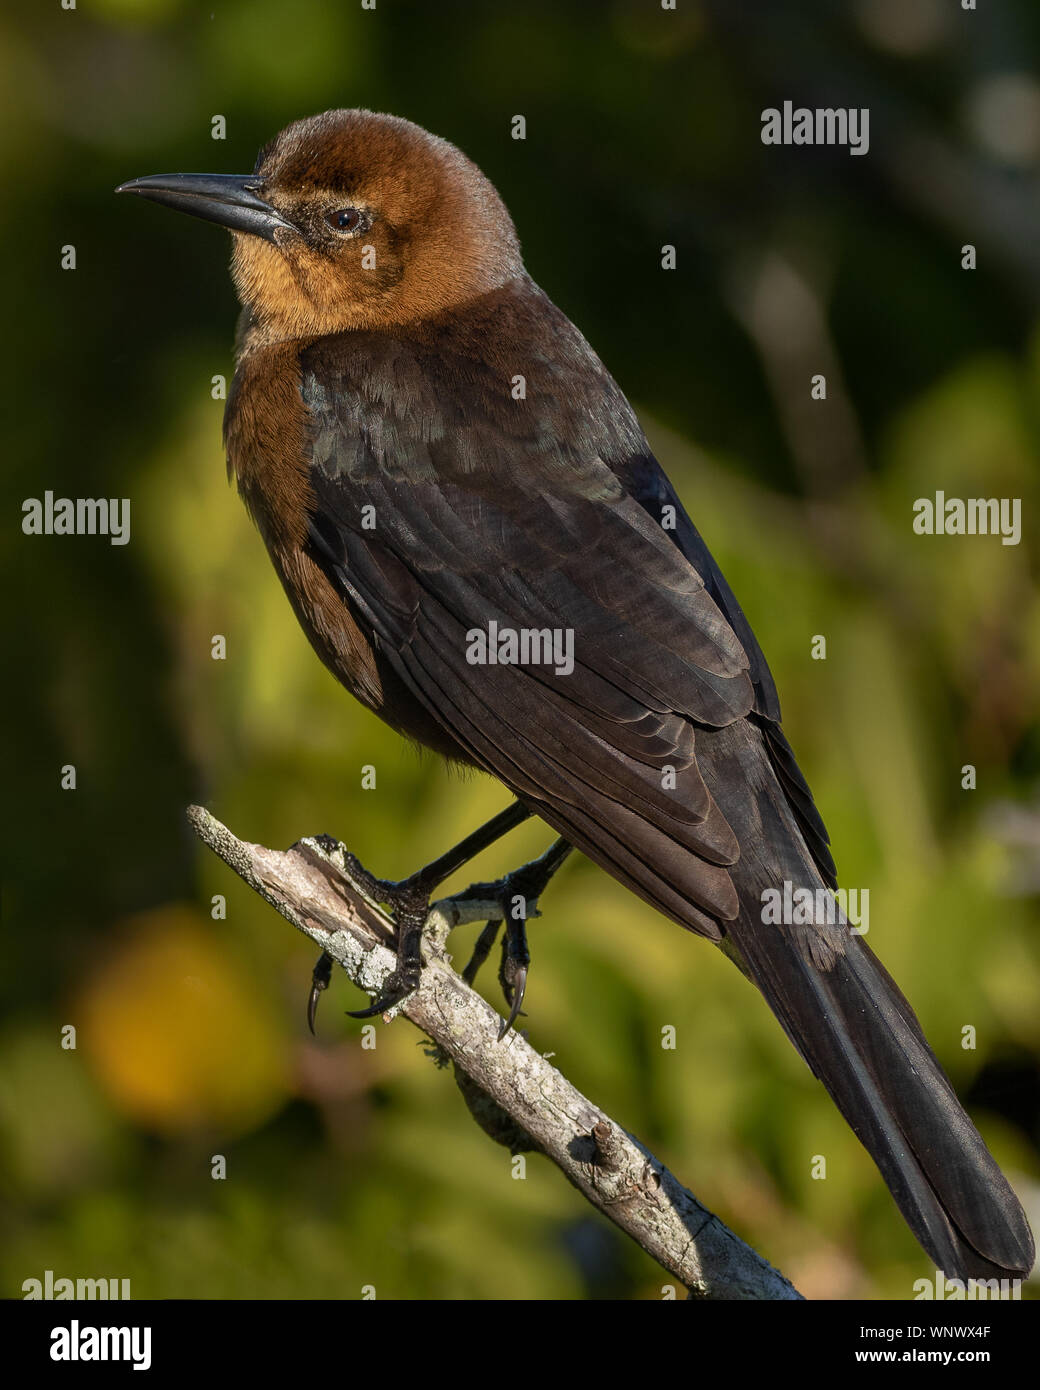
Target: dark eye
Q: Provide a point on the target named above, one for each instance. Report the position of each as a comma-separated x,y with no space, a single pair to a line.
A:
343,219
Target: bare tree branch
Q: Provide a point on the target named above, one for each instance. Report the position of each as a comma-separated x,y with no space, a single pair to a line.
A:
311,886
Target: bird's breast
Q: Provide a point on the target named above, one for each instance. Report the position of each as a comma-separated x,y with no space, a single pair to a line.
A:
266,437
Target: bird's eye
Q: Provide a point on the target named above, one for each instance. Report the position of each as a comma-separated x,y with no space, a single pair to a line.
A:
343,219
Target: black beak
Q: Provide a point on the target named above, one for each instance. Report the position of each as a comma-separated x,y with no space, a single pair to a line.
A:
228,199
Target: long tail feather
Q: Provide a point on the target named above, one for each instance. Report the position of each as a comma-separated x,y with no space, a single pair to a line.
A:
858,1033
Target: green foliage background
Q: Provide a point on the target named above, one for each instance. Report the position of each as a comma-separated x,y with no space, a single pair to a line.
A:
351,1168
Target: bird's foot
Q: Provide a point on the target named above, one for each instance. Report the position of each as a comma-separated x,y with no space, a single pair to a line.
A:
518,893
512,973
409,903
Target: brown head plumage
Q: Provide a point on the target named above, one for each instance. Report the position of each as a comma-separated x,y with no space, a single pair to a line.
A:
386,224
352,219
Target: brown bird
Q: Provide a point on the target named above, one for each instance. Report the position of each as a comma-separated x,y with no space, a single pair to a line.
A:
475,536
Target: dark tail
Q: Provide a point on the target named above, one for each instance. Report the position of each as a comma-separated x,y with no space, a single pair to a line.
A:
849,1020
860,1037
838,1004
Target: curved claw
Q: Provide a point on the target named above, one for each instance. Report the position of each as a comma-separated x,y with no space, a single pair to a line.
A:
396,989
519,983
320,978
379,1007
312,1006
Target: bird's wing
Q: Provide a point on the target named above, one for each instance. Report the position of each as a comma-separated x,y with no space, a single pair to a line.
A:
648,484
441,516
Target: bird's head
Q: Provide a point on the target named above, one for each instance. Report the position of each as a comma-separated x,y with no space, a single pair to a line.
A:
352,220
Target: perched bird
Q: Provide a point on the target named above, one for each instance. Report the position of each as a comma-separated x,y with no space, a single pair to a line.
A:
478,542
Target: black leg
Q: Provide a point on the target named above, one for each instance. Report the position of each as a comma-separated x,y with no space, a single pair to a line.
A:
409,901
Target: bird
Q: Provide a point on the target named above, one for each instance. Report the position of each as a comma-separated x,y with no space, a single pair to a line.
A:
476,538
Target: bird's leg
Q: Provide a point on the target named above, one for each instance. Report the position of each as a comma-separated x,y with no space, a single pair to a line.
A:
409,901
517,892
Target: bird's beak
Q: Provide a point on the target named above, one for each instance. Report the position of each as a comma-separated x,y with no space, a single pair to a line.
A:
229,199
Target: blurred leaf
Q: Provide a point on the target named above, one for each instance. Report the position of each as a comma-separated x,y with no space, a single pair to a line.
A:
175,1033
